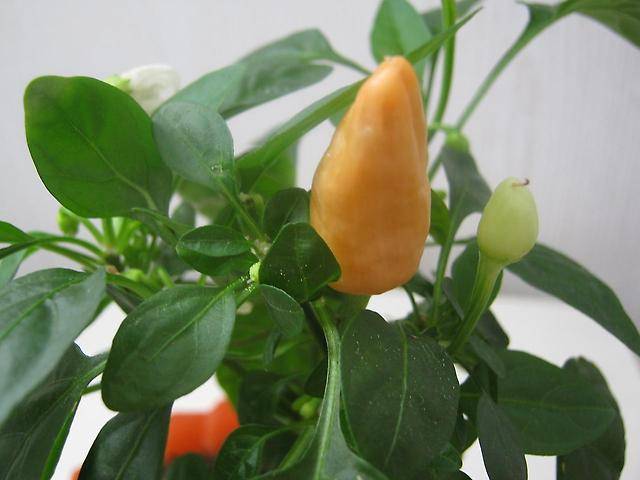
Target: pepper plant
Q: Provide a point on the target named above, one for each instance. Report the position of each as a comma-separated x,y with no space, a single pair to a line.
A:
211,256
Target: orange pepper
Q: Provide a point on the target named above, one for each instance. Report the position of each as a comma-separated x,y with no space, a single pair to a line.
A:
370,198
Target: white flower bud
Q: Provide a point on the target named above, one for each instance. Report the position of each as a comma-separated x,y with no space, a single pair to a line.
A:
149,85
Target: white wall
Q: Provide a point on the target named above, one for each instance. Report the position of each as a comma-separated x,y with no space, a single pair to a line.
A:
565,115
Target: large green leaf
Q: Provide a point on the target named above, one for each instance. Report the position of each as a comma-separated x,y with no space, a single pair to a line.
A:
93,147
286,206
299,262
501,451
169,345
553,410
31,439
189,467
400,395
216,250
602,459
397,30
286,313
554,273
41,314
621,16
129,447
468,191
195,143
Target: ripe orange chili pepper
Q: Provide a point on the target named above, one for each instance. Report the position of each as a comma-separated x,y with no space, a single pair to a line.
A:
370,199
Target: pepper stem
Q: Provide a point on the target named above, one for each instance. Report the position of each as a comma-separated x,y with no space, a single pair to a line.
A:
486,276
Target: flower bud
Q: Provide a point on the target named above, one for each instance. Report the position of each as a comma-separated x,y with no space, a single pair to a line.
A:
149,85
508,228
370,199
67,222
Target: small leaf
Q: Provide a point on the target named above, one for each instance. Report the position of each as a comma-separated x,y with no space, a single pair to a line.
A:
260,396
41,314
440,221
168,346
216,250
12,234
195,143
31,439
400,395
286,206
501,451
9,266
554,273
299,262
93,148
280,175
189,467
129,447
469,192
602,459
286,313
488,355
397,30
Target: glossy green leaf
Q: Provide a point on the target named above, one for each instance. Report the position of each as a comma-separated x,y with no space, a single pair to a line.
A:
468,191
211,89
299,262
189,467
261,397
130,446
41,314
216,250
558,275
397,30
487,354
12,234
279,68
602,459
93,147
286,313
195,142
31,439
553,410
440,221
168,346
501,451
400,395
286,206
9,266
247,450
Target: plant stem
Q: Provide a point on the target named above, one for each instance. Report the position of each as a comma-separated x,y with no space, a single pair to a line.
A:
240,210
108,233
486,276
443,260
92,388
448,19
136,287
78,257
432,74
165,278
341,60
88,224
414,305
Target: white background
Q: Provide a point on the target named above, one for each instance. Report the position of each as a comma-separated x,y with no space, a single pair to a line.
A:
566,114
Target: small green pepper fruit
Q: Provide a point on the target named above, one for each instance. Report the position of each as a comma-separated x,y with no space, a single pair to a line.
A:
67,222
508,229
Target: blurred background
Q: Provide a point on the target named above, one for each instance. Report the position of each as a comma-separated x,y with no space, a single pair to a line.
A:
565,114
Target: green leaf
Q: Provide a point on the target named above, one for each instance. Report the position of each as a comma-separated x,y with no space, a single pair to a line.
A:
211,89
491,332
32,437
286,313
487,354
247,449
400,395
12,234
397,30
9,266
279,68
195,142
216,250
620,16
501,451
554,273
433,17
260,397
299,262
280,175
286,206
41,314
602,459
468,191
169,345
129,447
449,460
440,221
553,410
93,147
189,467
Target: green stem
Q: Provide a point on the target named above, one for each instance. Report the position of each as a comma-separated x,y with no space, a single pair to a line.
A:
486,276
339,59
414,305
91,228
108,233
92,388
165,278
136,287
78,257
432,74
245,294
124,234
448,19
443,260
240,210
